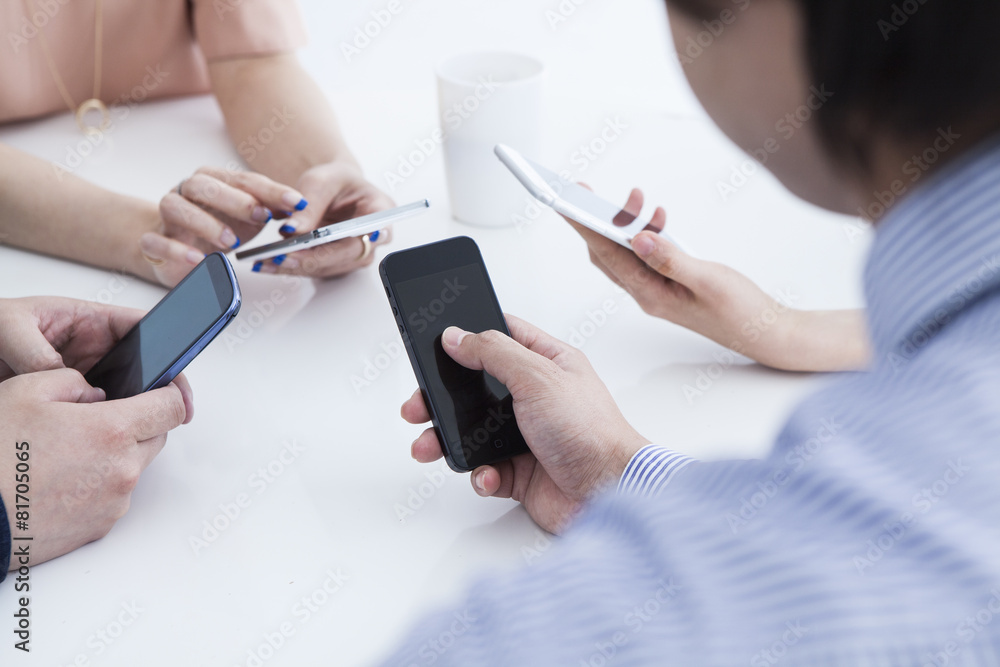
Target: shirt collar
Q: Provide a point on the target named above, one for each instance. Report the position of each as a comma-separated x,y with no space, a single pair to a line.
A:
934,254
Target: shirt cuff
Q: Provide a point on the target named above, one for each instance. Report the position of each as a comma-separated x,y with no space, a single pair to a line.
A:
5,542
650,470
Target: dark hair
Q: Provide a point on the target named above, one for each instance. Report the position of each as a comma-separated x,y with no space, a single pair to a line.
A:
905,68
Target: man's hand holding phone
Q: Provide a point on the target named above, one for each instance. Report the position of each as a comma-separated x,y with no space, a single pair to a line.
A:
48,333
580,442
84,454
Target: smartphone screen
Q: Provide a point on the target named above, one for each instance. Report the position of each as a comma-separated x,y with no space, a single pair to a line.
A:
169,335
432,288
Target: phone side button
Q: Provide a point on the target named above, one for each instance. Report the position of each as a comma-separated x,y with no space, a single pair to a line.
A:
395,312
402,329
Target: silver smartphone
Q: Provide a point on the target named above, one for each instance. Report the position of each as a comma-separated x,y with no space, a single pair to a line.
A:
338,231
575,202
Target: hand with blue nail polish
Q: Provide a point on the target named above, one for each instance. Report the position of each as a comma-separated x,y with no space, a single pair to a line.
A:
215,209
330,193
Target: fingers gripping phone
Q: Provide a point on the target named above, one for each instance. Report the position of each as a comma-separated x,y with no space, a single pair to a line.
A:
172,334
338,231
576,202
431,288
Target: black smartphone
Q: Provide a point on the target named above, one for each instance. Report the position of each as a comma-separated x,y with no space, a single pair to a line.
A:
172,334
431,288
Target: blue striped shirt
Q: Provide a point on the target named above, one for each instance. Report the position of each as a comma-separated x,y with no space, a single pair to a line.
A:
869,536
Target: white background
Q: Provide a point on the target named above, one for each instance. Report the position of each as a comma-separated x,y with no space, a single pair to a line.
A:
286,375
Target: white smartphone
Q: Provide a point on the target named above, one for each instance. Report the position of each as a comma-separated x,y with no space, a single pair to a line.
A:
366,224
575,202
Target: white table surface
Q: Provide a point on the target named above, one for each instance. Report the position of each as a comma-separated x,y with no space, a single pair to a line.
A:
287,377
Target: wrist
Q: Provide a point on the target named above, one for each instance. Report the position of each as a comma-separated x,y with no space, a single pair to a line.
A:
621,455
142,217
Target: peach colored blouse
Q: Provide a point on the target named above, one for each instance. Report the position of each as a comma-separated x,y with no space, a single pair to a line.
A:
152,48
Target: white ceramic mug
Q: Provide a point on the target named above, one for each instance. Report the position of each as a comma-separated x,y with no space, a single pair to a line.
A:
487,99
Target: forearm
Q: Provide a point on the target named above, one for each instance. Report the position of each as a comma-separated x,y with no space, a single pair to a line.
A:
826,341
277,116
58,214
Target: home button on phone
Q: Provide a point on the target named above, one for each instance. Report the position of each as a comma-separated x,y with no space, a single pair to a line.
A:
498,444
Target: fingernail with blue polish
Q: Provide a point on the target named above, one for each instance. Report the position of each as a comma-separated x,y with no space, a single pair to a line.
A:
261,215
287,229
237,244
280,259
294,200
256,266
373,237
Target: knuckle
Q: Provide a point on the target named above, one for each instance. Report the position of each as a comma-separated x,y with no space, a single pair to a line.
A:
547,372
123,507
170,204
492,338
662,262
116,435
127,478
177,411
43,359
